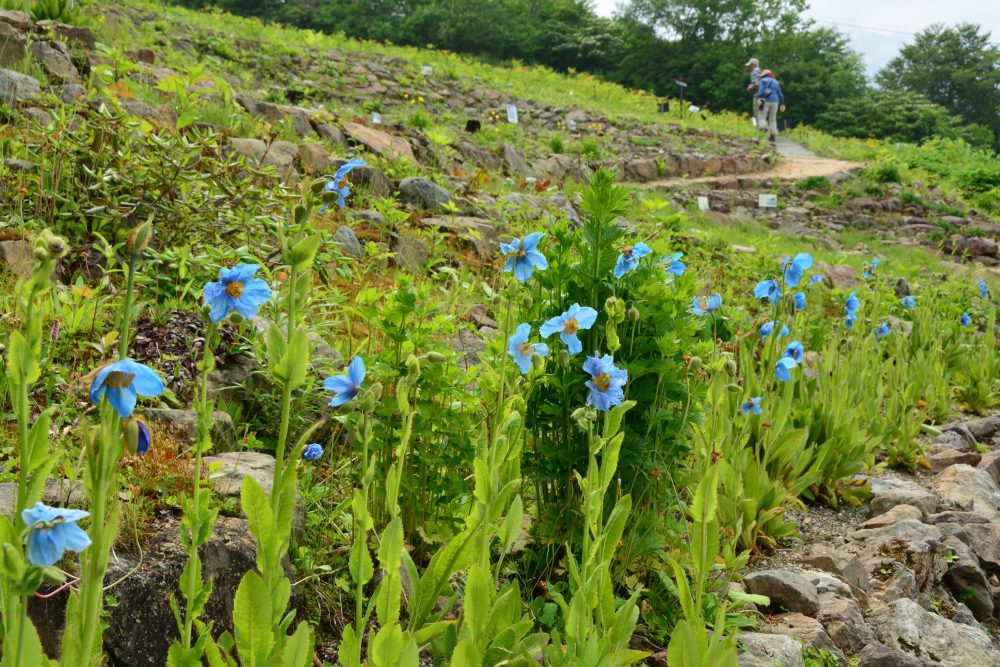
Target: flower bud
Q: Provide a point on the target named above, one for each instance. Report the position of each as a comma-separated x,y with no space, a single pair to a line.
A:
41,253
731,368
611,333
634,314
615,308
527,301
317,186
140,237
695,364
435,357
413,365
564,358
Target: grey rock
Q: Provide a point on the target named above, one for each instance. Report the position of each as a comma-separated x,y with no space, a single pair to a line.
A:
950,457
984,539
904,625
766,650
479,156
231,381
901,288
371,179
331,132
971,489
966,580
144,55
411,253
561,203
323,358
909,536
12,45
952,516
893,581
479,233
991,464
55,59
229,469
513,162
786,590
841,563
252,149
827,585
348,242
897,513
844,624
972,246
16,256
804,628
469,346
72,93
57,493
16,87
68,33
878,655
643,169
886,494
183,424
16,19
276,113
984,427
368,219
963,430
281,154
314,158
423,194
15,164
952,440
560,167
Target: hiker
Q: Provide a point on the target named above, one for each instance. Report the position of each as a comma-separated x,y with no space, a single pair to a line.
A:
771,101
754,66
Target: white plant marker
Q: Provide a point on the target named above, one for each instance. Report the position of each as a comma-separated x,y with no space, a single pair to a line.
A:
512,114
702,203
767,200
426,70
376,117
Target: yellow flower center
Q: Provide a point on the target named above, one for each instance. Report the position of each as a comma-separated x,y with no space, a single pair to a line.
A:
603,381
704,303
118,380
525,349
571,326
342,184
235,289
627,250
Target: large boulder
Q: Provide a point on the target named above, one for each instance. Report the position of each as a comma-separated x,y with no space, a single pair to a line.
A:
55,59
972,489
12,45
423,194
786,590
906,626
383,143
16,87
804,628
480,234
182,425
966,580
763,650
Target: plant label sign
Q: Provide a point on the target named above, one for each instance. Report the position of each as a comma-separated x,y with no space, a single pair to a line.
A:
767,201
376,117
426,70
702,203
512,114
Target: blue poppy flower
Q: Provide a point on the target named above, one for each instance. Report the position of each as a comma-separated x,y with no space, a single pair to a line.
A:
795,350
852,305
782,369
849,321
869,271
345,387
51,532
237,290
767,329
122,383
674,265
983,291
767,289
144,440
521,351
818,278
704,305
568,324
751,405
793,273
629,258
339,183
522,258
909,302
312,452
800,300
966,320
606,382
883,330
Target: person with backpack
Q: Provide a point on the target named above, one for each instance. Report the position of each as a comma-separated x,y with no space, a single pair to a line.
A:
771,101
754,66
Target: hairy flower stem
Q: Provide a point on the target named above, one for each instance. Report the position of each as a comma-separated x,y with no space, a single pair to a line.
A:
286,400
127,312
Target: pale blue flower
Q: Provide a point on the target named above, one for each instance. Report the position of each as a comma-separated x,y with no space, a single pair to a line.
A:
236,290
909,302
883,330
629,258
674,265
800,300
794,269
795,350
122,383
751,405
966,320
51,532
312,452
782,369
869,271
339,183
606,382
818,278
568,324
852,305
521,351
523,258
767,289
345,387
767,329
983,291
704,305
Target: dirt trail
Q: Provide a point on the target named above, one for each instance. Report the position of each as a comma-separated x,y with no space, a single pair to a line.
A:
796,162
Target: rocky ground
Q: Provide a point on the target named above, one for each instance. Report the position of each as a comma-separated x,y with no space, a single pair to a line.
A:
911,579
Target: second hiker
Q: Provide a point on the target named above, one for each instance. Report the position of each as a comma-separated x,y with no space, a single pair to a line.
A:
771,101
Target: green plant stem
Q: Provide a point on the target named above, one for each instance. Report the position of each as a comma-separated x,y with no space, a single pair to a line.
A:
127,313
286,401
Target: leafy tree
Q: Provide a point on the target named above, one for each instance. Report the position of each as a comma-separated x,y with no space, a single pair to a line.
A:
957,67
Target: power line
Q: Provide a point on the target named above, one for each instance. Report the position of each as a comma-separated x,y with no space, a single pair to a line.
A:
862,26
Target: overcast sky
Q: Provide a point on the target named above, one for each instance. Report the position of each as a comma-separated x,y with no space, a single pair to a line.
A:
878,28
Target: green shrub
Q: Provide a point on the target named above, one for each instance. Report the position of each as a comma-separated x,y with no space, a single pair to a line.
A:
883,172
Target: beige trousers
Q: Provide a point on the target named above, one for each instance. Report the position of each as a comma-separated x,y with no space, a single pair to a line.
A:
769,119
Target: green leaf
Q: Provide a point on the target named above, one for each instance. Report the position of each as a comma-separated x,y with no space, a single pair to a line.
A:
252,621
296,364
389,555
511,527
299,649
304,252
261,521
277,348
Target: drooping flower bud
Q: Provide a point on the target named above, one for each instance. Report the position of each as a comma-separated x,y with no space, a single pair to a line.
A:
695,364
140,237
